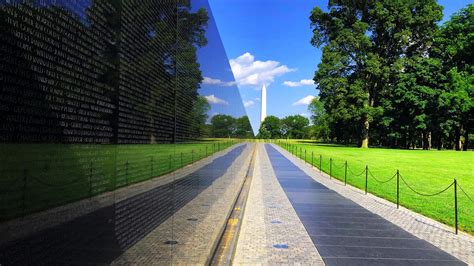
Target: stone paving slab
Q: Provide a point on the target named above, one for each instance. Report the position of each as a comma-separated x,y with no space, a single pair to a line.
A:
271,232
196,226
460,246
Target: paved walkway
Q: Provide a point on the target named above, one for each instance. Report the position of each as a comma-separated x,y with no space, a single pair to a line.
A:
271,231
290,202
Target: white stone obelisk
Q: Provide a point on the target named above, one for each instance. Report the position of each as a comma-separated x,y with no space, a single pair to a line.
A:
263,112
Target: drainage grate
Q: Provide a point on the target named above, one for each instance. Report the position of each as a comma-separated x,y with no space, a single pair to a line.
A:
284,246
275,222
171,242
192,219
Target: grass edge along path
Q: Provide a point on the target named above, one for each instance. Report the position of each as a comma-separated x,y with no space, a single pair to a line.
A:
438,204
37,177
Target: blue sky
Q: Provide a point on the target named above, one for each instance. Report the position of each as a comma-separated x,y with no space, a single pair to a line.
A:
271,38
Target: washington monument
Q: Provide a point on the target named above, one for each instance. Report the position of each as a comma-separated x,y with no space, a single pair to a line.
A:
263,112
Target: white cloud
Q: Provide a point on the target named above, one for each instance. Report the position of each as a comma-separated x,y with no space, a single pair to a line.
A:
304,114
250,72
248,103
303,82
212,99
304,101
218,82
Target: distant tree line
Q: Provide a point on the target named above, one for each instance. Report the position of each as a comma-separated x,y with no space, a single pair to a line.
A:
390,75
292,127
226,126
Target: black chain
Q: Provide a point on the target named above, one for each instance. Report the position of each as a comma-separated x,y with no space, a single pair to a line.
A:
57,185
465,193
382,182
423,194
363,171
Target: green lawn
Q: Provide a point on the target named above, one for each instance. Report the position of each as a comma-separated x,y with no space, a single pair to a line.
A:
425,171
35,177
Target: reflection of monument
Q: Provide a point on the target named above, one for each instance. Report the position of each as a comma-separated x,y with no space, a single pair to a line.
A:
263,113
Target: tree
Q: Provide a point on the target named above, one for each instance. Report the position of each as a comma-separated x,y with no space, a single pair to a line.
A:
363,41
243,128
222,126
320,128
199,116
455,47
270,128
294,126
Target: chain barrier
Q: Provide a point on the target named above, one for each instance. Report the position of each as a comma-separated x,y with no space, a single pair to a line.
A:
361,173
382,182
57,185
424,194
470,199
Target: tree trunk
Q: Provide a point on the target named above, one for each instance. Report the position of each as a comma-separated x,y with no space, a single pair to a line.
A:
426,140
457,140
365,134
466,140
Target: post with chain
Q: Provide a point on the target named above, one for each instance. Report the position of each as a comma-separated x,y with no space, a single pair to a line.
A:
206,150
456,205
330,168
305,156
169,163
181,154
345,173
90,180
312,159
126,172
320,163
192,156
23,195
366,177
398,189
151,166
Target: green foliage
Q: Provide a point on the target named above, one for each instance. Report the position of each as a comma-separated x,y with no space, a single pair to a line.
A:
226,126
388,67
294,127
320,129
270,128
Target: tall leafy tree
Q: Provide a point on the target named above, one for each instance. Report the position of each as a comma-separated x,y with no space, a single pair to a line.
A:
363,41
270,128
222,126
455,47
294,126
243,128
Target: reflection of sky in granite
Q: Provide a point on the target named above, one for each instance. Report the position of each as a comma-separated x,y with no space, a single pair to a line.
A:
76,7
214,63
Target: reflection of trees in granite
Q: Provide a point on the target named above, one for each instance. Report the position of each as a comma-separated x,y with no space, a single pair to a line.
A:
120,73
102,236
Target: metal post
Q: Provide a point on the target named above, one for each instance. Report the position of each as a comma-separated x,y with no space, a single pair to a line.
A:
398,189
330,168
151,168
456,205
169,166
23,195
181,159
90,180
126,172
320,163
312,158
192,156
206,150
305,156
366,177
345,174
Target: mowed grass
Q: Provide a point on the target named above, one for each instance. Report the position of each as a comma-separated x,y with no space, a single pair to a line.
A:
426,172
34,177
